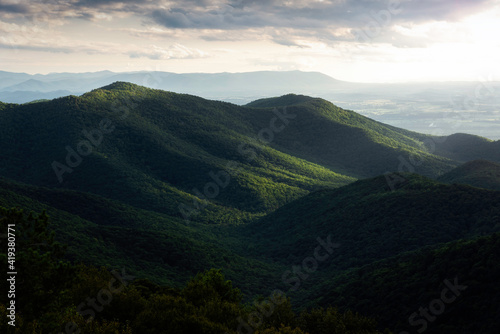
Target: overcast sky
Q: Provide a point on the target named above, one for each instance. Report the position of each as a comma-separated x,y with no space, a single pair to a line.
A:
353,40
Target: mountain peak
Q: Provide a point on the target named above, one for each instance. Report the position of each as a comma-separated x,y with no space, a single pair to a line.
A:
285,100
121,85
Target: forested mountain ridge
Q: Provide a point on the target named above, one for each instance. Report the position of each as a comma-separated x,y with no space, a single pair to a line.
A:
170,185
162,148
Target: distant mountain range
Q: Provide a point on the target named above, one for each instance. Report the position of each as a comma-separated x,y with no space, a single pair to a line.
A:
22,88
170,184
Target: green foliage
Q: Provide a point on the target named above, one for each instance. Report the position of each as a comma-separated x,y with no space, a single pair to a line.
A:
465,147
331,321
161,149
211,285
104,232
351,144
281,330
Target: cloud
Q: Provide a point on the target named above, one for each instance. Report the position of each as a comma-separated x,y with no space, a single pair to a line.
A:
309,14
6,44
292,23
176,51
243,14
289,22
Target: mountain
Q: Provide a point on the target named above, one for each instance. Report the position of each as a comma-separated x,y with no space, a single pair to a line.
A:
9,78
291,193
477,173
32,85
30,96
194,158
380,252
157,150
350,143
438,108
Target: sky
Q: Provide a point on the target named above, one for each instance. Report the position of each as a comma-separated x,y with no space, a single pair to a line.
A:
352,40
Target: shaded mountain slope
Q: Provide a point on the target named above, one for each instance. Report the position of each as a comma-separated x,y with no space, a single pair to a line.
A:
477,173
399,289
464,147
100,231
372,222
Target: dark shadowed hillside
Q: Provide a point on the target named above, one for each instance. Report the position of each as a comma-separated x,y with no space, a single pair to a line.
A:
477,173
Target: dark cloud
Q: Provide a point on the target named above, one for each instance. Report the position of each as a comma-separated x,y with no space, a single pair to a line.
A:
367,20
13,8
177,18
219,18
241,14
231,14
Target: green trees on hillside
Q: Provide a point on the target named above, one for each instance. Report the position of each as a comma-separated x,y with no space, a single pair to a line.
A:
54,296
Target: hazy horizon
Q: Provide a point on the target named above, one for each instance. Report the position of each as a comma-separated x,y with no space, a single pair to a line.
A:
479,79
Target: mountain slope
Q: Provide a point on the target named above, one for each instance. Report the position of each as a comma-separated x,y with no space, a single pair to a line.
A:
194,158
477,173
397,291
100,231
161,150
350,143
373,222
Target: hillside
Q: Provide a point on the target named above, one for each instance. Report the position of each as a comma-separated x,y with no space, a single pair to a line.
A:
376,233
105,232
394,290
351,143
365,223
477,173
49,290
372,222
190,157
162,150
